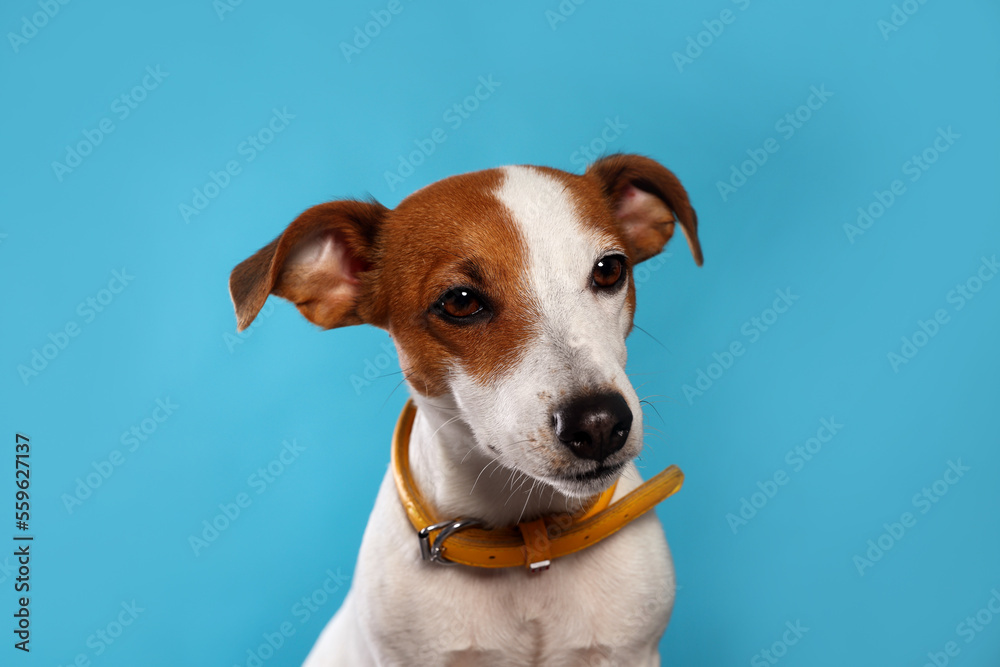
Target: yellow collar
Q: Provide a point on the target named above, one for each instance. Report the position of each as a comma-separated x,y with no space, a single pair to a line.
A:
530,544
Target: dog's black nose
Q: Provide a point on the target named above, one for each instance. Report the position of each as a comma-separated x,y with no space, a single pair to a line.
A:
594,427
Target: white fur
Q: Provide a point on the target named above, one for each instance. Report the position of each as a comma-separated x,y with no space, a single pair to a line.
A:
607,605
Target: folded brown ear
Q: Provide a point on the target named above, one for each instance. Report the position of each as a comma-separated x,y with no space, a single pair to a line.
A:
648,200
315,264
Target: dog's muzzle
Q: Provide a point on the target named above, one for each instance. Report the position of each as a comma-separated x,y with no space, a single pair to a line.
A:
531,544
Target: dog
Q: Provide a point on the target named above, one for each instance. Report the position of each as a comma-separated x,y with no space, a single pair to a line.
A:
508,294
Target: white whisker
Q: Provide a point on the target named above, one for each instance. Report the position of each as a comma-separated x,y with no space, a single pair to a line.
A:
442,426
481,474
526,501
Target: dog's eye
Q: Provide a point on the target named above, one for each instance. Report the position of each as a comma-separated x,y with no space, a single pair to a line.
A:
459,303
609,271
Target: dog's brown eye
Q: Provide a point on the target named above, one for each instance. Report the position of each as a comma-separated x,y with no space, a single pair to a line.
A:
459,303
608,271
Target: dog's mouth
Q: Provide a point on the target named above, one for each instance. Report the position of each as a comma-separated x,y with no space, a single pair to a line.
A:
585,484
590,482
601,472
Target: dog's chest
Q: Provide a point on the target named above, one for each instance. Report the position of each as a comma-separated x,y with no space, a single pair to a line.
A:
605,606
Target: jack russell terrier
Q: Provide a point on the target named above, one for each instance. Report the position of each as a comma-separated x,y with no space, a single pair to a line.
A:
509,294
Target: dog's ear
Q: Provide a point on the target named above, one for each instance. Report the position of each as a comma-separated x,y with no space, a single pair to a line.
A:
648,200
315,264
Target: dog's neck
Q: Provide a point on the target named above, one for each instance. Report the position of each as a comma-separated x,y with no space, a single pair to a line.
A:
457,479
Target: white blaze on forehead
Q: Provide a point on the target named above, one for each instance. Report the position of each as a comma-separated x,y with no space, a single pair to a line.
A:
576,325
561,250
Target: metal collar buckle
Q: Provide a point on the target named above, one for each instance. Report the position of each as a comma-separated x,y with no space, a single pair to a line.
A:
432,552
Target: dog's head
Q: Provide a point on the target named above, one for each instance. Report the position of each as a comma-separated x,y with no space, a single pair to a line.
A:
508,289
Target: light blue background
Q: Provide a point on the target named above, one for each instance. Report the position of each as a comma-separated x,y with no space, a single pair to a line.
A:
165,335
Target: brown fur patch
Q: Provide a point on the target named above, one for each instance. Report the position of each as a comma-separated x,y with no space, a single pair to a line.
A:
450,234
